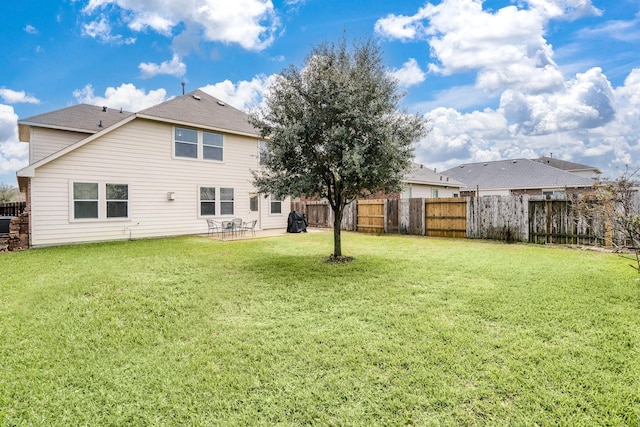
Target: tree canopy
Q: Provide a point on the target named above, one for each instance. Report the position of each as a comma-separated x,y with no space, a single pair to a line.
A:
335,130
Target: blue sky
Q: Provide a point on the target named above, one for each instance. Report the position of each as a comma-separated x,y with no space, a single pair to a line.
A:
498,79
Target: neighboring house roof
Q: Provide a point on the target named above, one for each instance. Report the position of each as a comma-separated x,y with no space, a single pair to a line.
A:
514,174
201,109
566,165
423,175
78,118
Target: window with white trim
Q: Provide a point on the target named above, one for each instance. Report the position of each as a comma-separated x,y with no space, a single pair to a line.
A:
117,200
98,201
207,201
212,146
186,142
198,144
275,206
262,152
434,193
226,201
253,202
85,200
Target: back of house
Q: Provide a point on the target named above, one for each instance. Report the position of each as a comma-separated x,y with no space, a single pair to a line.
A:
100,174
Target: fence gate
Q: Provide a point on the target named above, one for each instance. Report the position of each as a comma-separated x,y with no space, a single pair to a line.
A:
446,217
371,216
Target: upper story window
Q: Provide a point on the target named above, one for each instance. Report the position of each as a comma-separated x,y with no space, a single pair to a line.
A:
212,146
262,152
186,141
195,144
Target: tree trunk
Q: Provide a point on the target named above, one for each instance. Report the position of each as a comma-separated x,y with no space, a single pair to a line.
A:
337,225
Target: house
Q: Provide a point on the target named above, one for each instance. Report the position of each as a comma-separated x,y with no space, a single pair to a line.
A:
575,168
517,176
100,174
424,182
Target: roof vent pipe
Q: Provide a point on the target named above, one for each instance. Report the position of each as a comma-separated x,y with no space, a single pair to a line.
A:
100,124
104,109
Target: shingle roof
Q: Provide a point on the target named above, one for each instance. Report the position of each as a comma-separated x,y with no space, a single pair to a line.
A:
565,165
79,118
200,108
514,174
422,175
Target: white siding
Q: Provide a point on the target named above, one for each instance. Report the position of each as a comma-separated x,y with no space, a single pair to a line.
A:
45,142
140,154
424,191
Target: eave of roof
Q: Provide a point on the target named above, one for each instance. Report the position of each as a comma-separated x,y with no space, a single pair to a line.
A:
29,171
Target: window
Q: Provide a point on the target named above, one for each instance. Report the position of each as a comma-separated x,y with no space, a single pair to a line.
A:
226,201
207,201
434,193
276,206
117,200
262,152
212,146
85,200
186,143
253,202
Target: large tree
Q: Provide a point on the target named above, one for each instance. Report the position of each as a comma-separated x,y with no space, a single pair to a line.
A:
334,129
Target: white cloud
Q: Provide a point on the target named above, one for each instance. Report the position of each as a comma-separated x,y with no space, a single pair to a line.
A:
13,154
126,96
101,29
505,47
410,74
30,29
586,103
401,27
175,67
580,118
250,23
14,97
587,122
243,95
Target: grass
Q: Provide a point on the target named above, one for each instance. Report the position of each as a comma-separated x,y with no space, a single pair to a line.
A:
415,331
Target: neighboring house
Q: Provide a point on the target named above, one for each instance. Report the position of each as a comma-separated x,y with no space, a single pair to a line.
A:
584,171
99,174
517,176
424,182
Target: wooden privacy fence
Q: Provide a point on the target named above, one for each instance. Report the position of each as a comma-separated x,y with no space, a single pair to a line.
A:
319,214
12,208
371,216
520,218
446,217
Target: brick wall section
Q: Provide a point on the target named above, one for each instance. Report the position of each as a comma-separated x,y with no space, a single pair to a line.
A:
19,233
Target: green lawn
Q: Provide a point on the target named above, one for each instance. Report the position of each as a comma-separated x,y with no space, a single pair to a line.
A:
416,331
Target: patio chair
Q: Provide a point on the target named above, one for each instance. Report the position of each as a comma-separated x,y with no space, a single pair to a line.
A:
227,227
250,226
214,227
237,226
